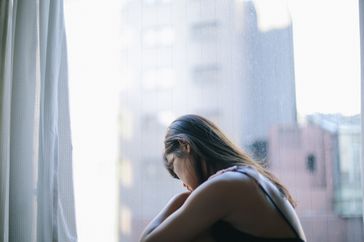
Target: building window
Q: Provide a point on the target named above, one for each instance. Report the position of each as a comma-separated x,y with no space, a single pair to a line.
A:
259,151
311,163
204,31
206,74
158,37
158,79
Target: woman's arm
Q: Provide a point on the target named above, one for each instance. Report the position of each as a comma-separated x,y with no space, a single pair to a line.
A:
202,208
175,203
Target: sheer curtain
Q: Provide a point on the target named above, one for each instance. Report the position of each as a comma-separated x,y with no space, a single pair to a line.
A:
36,183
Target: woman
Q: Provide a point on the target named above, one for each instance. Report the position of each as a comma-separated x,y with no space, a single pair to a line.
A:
230,197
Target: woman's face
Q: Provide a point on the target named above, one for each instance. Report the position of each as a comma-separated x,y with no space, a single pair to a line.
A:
183,168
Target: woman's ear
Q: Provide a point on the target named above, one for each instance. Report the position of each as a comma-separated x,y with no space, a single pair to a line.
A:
185,146
188,148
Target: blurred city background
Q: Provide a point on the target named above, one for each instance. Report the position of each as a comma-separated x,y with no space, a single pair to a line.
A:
281,78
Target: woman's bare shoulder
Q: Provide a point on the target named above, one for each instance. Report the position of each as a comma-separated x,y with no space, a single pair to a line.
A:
225,186
229,177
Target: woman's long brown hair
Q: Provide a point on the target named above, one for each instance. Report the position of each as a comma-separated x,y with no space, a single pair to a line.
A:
209,143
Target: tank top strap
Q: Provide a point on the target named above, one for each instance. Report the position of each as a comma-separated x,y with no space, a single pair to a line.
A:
274,195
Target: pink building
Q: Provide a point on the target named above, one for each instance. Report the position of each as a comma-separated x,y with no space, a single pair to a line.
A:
304,159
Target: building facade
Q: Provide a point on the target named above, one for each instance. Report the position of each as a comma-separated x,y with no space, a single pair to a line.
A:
307,159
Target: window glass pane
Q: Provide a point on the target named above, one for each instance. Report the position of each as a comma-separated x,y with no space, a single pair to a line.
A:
275,81
280,78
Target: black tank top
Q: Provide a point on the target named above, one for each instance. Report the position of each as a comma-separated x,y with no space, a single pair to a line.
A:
225,232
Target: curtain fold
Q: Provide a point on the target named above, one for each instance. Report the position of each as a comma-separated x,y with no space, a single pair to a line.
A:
6,47
36,180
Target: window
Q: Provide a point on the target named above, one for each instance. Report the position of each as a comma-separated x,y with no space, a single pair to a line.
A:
311,163
259,151
158,79
206,74
259,69
205,31
158,37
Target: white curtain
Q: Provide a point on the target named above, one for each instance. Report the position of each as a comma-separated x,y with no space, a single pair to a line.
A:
36,184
